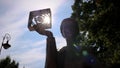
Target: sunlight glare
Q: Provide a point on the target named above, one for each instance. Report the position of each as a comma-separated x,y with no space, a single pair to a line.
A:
46,19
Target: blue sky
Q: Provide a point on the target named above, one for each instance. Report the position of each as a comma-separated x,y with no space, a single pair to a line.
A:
28,48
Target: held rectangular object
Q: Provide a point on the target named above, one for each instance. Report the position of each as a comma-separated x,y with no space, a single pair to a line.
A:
40,17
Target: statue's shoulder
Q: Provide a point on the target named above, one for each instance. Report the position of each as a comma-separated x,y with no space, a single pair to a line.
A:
63,49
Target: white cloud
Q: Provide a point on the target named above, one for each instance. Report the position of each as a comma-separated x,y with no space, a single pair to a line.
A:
37,52
27,53
31,56
14,21
61,42
17,8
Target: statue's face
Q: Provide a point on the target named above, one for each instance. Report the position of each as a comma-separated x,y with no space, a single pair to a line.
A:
69,28
68,31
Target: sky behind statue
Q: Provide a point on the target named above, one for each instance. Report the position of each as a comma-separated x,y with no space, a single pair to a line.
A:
28,48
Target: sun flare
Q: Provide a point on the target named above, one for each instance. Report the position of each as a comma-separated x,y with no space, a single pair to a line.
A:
47,19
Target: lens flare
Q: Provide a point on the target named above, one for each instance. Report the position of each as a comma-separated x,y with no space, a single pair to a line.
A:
46,19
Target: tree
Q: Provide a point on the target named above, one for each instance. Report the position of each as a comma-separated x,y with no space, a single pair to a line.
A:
100,19
8,63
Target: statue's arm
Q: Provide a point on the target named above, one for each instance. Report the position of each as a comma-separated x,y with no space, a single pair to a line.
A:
42,31
51,51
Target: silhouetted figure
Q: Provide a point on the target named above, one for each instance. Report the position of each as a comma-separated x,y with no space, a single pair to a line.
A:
70,56
70,30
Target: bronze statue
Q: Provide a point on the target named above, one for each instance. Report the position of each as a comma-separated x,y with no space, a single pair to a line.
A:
66,57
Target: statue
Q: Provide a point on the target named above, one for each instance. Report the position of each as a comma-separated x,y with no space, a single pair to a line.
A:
66,57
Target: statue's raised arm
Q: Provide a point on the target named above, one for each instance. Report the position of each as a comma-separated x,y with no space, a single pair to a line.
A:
40,21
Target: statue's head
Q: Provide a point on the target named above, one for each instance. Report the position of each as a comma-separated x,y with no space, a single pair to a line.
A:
69,28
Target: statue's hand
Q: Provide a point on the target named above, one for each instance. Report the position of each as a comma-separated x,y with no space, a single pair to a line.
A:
42,31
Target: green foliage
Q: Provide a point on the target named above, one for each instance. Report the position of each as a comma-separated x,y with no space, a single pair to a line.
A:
100,19
8,63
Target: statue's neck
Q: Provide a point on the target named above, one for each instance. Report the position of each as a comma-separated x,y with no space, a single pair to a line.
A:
70,42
